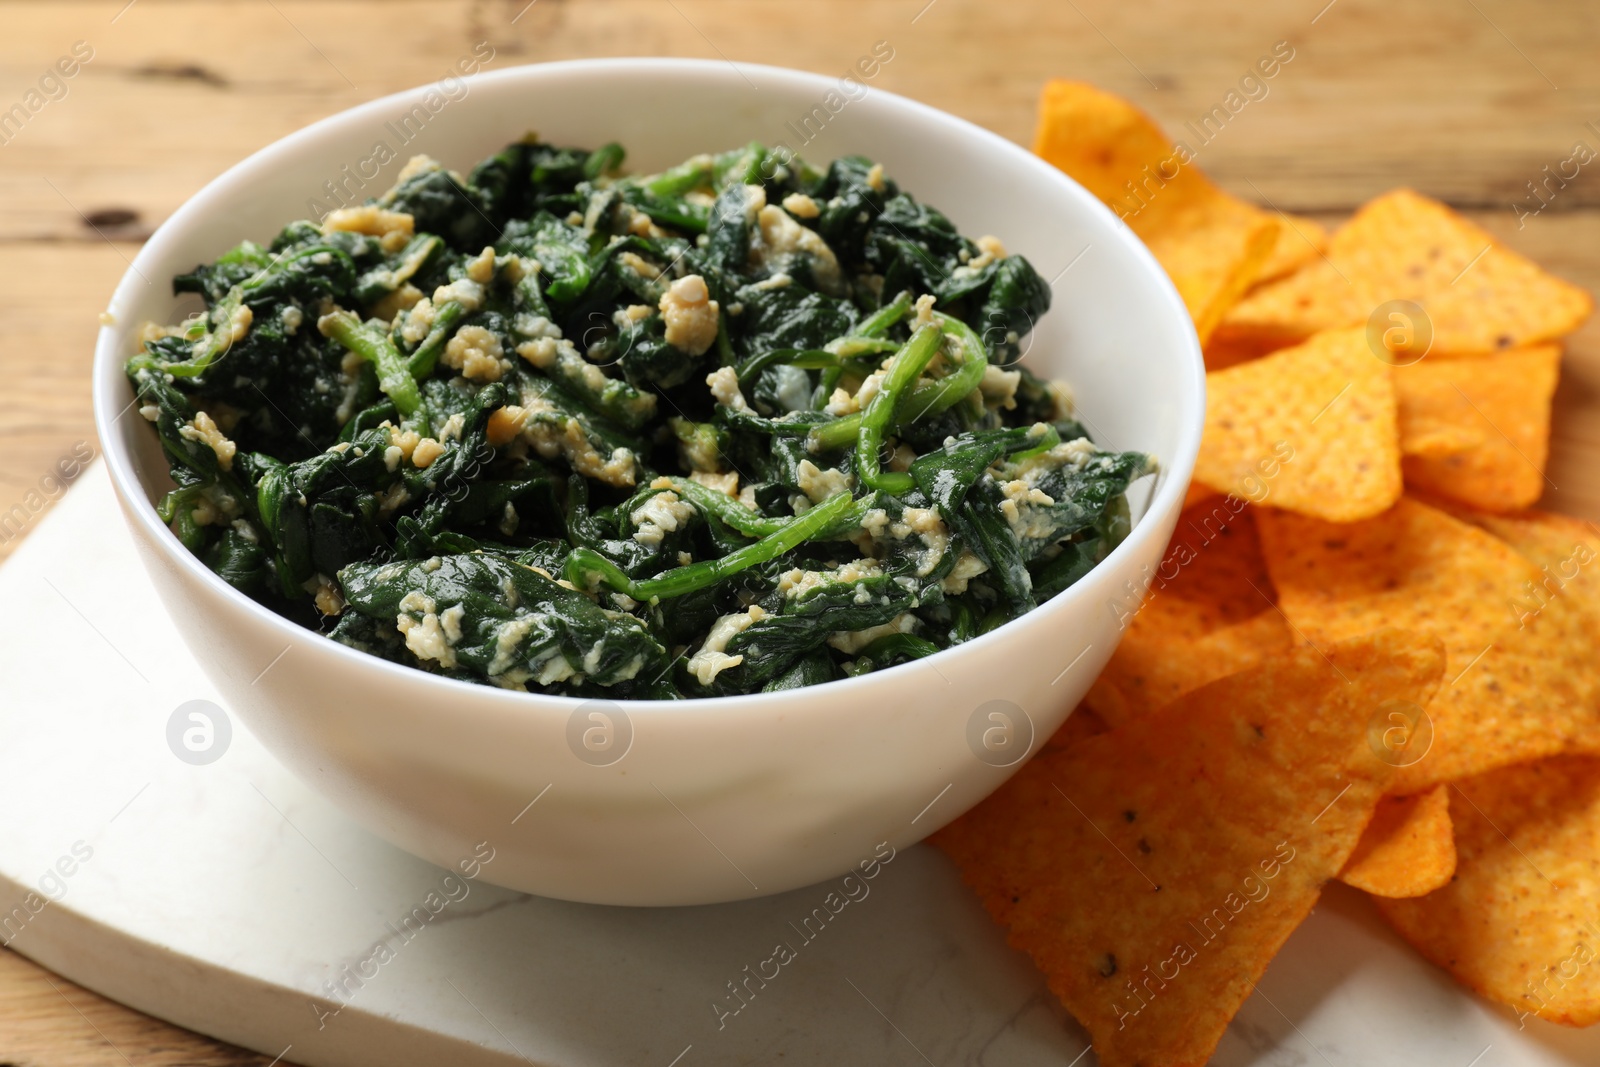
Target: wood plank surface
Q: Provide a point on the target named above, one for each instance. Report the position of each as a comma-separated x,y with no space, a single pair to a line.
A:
1466,100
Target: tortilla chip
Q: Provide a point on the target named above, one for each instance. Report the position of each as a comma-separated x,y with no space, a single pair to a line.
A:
1520,921
1081,725
1196,493
1211,244
1153,910
1212,252
1478,430
1566,551
1208,614
1311,429
1301,241
1409,848
1430,440
1152,668
1479,295
1220,355
1523,677
1562,547
1213,574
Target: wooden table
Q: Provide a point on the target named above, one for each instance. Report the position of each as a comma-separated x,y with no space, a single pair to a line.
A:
1466,100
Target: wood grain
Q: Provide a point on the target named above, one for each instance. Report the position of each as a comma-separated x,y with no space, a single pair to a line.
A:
1377,93
1464,101
47,1021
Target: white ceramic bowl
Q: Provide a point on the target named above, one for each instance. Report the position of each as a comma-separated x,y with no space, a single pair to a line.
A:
703,800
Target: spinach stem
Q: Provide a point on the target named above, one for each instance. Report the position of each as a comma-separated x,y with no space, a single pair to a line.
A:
907,367
1047,440
730,511
933,398
373,345
922,398
878,323
692,173
421,363
807,359
585,564
868,336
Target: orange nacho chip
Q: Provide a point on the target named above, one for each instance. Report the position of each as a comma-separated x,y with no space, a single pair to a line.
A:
1153,910
1152,669
1523,681
1567,553
1220,355
1212,575
1196,493
1201,739
1208,614
1478,295
1300,241
1520,921
1211,244
1081,725
1427,440
1478,430
1311,429
1564,549
1409,848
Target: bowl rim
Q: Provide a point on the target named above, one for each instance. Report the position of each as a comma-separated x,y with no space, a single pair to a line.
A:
109,359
